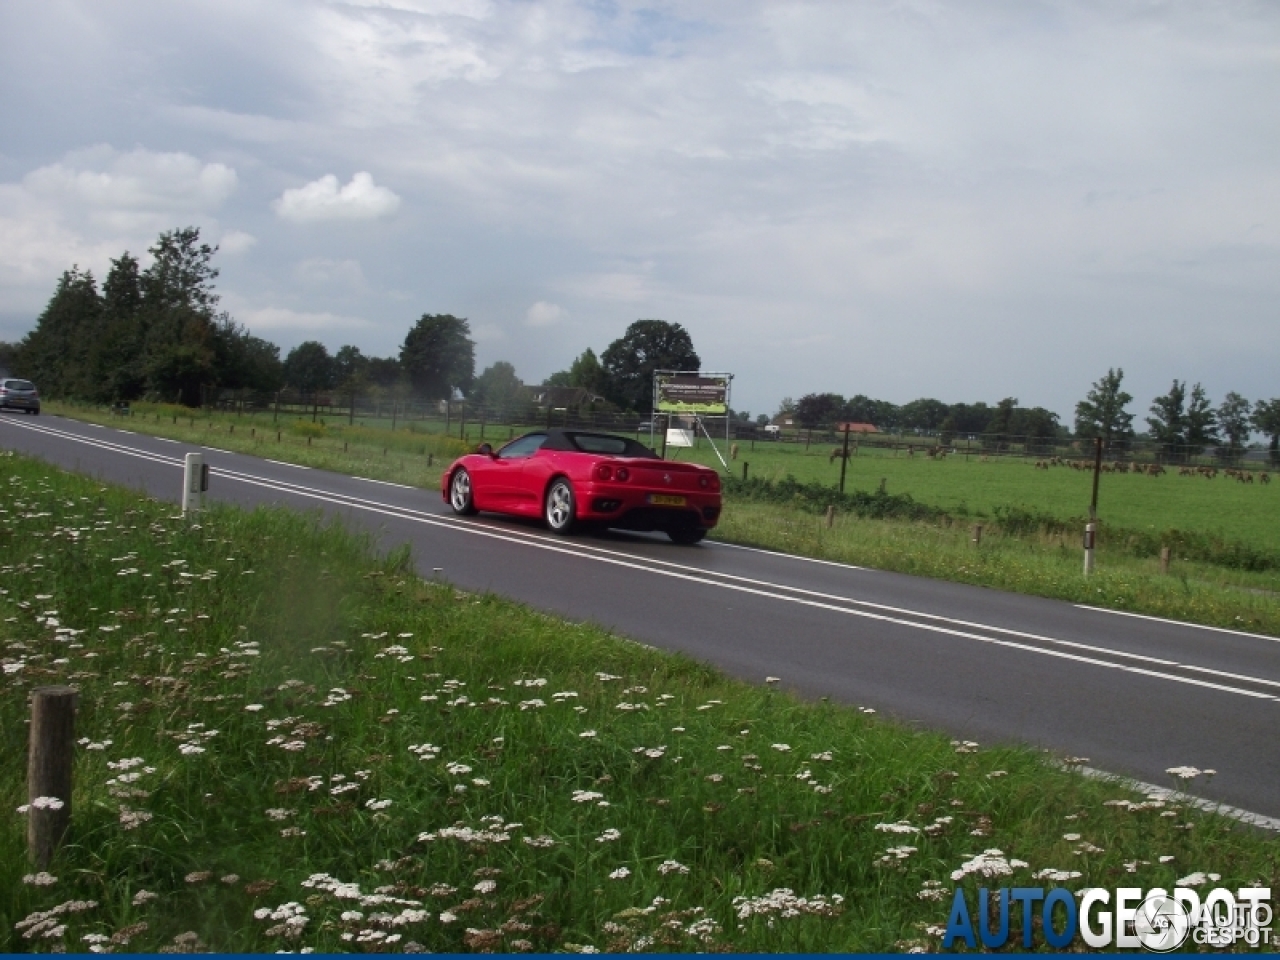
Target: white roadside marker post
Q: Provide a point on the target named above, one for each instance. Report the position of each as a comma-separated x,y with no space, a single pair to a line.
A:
195,481
1090,530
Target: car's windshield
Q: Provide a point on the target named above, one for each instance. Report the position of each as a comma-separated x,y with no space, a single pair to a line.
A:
595,443
523,447
19,385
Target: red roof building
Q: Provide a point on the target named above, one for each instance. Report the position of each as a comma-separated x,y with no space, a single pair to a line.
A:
856,428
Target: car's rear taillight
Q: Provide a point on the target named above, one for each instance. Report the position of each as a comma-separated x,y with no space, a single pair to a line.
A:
604,471
709,481
623,475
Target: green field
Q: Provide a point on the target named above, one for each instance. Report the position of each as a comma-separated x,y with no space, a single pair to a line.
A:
287,743
1249,513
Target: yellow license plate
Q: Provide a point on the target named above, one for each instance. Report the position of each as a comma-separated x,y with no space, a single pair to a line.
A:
665,500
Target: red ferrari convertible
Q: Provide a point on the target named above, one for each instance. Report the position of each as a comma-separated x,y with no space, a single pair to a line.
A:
571,477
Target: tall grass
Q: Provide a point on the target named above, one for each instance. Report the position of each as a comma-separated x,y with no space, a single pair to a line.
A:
288,743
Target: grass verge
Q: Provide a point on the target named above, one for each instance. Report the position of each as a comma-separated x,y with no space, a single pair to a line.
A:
288,743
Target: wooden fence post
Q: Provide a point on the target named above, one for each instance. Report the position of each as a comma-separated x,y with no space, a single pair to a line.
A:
1164,559
745,465
831,516
977,534
52,746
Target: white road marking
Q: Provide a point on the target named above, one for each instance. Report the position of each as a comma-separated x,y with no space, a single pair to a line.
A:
1164,793
698,576
387,483
283,463
1177,623
788,556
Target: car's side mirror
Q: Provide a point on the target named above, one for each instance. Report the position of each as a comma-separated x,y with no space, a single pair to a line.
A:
486,449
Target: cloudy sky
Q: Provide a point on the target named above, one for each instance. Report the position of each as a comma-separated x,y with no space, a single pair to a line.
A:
965,200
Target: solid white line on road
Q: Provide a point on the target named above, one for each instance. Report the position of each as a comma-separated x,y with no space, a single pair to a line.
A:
386,483
1164,793
779,553
1177,623
698,576
282,463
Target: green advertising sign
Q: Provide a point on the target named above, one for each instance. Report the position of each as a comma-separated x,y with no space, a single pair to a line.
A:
692,393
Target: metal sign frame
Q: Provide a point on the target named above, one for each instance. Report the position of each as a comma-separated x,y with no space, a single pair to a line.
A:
699,417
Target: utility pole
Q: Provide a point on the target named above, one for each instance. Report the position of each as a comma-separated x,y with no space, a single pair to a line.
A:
844,459
1097,472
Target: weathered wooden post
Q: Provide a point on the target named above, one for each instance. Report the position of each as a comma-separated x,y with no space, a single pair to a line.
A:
977,534
1164,559
745,464
52,746
831,515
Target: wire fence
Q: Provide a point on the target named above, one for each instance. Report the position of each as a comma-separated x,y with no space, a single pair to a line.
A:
468,420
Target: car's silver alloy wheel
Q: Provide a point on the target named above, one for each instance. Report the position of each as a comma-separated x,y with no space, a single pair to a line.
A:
460,493
560,506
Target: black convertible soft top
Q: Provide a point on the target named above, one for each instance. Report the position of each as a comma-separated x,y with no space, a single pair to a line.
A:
587,441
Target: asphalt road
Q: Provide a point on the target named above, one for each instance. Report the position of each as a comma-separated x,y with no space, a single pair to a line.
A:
1136,695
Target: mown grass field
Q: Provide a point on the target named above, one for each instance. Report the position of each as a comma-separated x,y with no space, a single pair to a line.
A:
976,487
288,743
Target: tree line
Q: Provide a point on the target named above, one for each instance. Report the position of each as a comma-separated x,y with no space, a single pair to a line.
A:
159,333
1184,421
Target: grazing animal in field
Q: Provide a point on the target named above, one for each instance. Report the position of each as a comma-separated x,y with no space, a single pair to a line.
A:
837,454
733,451
1264,478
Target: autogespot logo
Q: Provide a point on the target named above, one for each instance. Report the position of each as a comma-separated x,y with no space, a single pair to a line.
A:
1157,920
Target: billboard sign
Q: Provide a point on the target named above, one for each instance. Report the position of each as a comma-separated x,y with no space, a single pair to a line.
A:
692,393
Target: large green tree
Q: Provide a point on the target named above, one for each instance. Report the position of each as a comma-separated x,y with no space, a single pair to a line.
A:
1102,412
116,356
1184,423
497,388
309,369
1202,425
1266,419
54,353
1001,427
1168,417
1233,420
179,315
630,361
818,409
439,356
923,414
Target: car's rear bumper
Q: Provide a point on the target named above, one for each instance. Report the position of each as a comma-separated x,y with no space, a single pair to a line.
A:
629,508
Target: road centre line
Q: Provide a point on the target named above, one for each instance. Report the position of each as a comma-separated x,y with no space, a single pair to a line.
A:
700,577
1180,623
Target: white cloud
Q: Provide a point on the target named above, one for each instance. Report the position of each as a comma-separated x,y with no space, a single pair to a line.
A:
236,241
320,271
131,190
543,314
93,204
842,180
323,199
282,318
